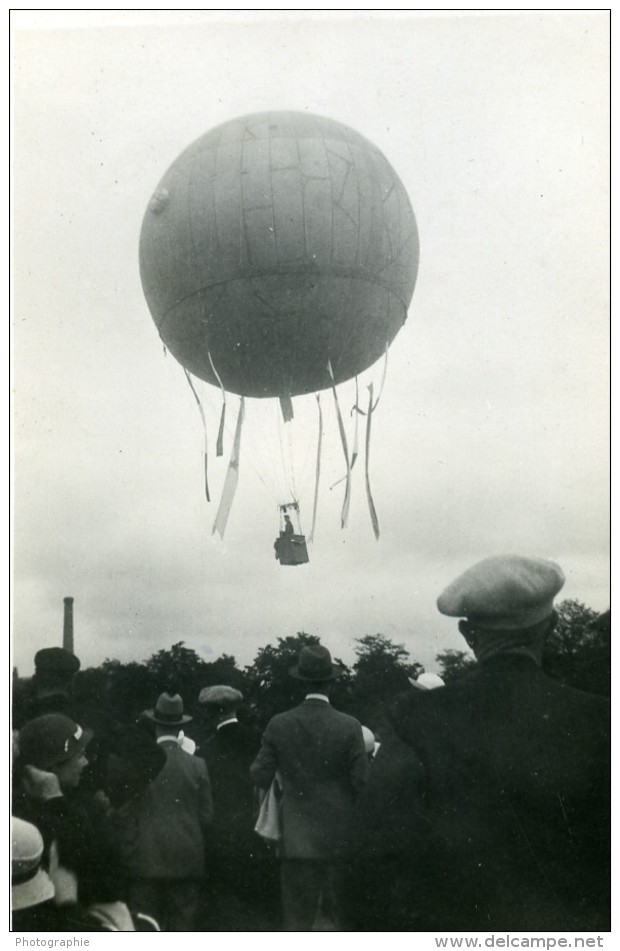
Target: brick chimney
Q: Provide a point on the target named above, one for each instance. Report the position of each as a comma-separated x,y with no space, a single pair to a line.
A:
67,627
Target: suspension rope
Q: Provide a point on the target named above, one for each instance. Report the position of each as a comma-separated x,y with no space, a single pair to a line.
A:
371,504
204,428
220,433
318,467
344,516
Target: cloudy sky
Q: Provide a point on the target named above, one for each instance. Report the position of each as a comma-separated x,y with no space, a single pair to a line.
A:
492,432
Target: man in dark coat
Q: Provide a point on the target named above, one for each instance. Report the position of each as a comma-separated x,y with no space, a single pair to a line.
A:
511,827
51,686
241,874
319,756
164,829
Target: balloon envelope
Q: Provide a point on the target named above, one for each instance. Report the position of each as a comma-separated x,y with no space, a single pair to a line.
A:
275,243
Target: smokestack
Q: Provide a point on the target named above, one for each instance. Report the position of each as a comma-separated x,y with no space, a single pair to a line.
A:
67,627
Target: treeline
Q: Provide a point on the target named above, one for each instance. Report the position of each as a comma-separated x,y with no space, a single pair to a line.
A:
577,653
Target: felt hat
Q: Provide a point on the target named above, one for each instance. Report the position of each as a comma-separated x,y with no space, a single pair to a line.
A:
314,664
56,660
505,592
30,884
168,711
51,739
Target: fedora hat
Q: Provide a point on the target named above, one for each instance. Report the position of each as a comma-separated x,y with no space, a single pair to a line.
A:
168,711
30,884
315,664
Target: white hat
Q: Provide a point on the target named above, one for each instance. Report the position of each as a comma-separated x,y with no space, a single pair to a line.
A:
427,682
504,593
30,884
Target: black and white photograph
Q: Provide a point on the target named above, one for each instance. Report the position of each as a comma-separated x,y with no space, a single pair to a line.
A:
310,466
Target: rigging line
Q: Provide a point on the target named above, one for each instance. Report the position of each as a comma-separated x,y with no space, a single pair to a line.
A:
318,468
289,433
253,451
285,466
382,384
356,408
347,495
303,460
265,449
354,453
371,505
262,458
204,429
220,434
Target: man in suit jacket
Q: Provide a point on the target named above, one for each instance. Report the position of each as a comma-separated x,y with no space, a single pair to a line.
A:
511,824
242,882
164,830
320,758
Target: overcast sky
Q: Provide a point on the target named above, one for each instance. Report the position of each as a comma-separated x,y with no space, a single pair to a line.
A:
492,432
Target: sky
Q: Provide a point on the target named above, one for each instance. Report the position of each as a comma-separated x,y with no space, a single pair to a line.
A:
492,434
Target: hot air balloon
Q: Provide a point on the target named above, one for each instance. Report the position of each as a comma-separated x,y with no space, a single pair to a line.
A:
278,257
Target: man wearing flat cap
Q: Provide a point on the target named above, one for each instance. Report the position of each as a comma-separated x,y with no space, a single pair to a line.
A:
320,757
514,814
236,857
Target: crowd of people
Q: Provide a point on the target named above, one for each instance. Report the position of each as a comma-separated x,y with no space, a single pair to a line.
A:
482,805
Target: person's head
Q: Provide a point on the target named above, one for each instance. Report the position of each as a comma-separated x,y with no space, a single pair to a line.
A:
54,671
315,669
30,883
55,744
132,761
505,604
167,716
220,702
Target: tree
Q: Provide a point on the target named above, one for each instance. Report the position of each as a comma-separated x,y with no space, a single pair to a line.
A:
578,652
382,666
453,664
381,670
224,670
273,690
129,689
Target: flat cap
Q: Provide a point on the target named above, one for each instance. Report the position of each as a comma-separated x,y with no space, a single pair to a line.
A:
505,592
56,660
220,696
